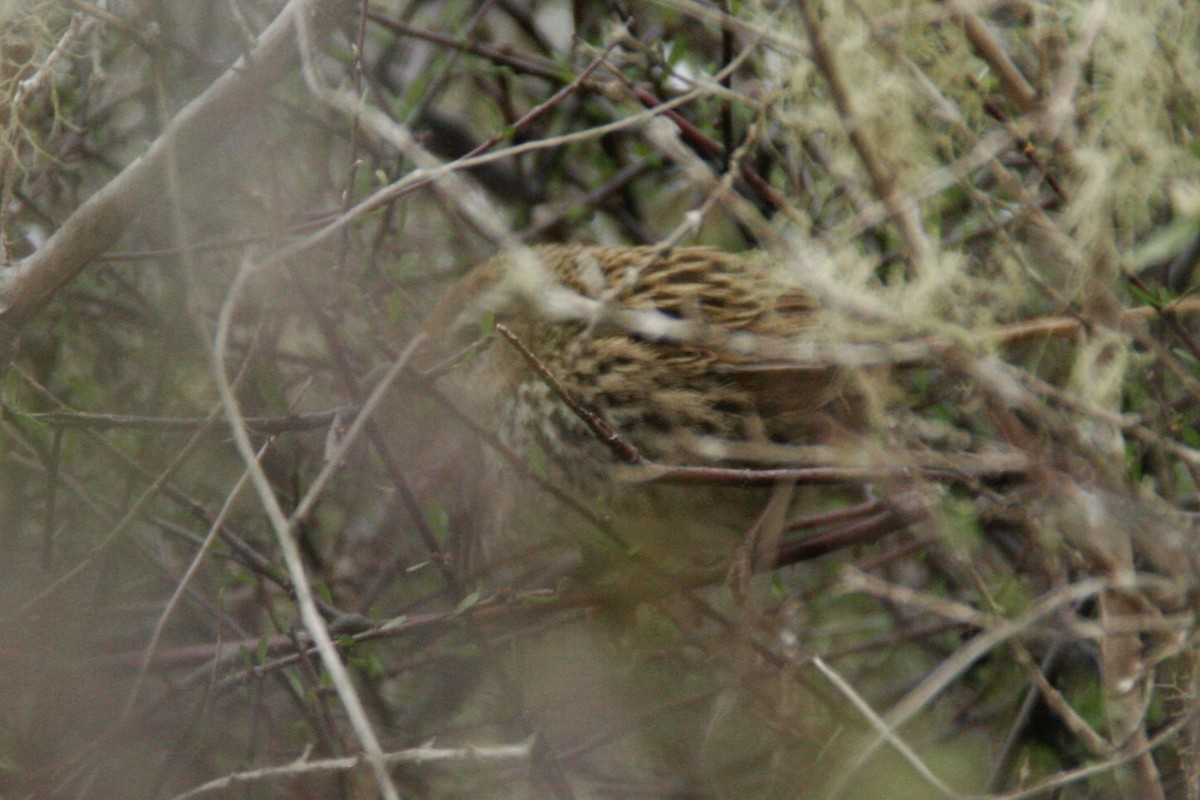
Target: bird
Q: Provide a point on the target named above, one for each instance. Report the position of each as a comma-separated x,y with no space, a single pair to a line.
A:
579,368
618,356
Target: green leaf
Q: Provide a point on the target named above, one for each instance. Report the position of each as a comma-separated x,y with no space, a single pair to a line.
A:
487,324
369,662
12,388
1165,242
537,460
294,681
467,603
394,622
1189,436
1133,462
439,522
675,55
1143,295
1185,355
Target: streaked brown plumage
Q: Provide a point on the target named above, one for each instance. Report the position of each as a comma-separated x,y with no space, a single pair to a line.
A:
658,394
663,382
668,349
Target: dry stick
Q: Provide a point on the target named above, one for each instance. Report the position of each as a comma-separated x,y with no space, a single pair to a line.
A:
149,43
1054,699
537,111
809,476
194,567
824,519
547,70
1024,145
707,147
48,528
471,201
540,109
857,580
440,175
1012,81
246,555
10,117
1002,762
61,420
727,82
196,130
1121,656
115,534
435,86
500,609
529,65
906,214
355,135
237,243
952,667
720,188
886,731
1126,682
214,530
1167,314
621,447
1045,788
284,530
590,200
600,521
431,171
416,756
768,29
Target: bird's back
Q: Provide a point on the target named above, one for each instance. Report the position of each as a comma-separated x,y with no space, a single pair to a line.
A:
685,368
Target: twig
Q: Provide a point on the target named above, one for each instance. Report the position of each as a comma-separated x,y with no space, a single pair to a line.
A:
284,531
415,756
622,448
951,668
267,425
887,732
99,222
1018,90
906,214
